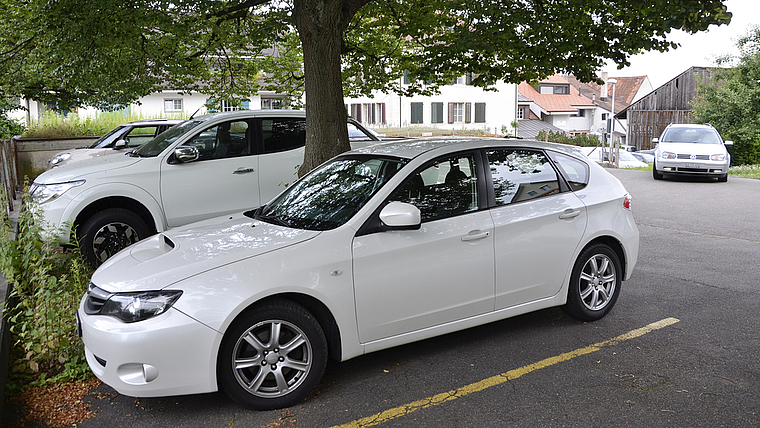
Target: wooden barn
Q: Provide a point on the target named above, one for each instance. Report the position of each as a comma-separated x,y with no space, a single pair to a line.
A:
670,103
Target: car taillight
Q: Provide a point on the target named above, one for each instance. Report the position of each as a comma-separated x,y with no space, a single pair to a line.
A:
627,202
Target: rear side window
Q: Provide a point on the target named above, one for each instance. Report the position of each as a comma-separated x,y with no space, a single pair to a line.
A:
521,175
279,135
574,170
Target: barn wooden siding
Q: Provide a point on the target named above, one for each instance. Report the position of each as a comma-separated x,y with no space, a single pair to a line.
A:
670,103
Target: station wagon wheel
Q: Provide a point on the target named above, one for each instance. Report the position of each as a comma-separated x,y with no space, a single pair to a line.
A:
594,283
656,175
109,231
272,356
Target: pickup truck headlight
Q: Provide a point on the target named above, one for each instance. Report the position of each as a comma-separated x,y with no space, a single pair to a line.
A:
134,307
43,193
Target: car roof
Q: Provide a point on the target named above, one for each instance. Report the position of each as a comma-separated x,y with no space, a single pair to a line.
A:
252,113
690,125
149,122
410,149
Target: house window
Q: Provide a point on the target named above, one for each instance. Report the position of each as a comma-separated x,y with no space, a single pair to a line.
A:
579,113
227,106
480,112
604,116
369,113
416,113
461,80
436,112
460,112
521,113
271,103
171,105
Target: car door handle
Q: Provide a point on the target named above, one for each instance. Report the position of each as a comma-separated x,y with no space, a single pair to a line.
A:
242,170
570,214
474,236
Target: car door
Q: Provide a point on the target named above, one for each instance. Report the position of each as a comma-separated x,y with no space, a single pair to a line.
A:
407,280
538,224
223,180
281,144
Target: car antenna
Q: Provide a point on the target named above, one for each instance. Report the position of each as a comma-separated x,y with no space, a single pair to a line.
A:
193,115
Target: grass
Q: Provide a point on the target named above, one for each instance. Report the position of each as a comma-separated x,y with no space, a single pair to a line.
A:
53,125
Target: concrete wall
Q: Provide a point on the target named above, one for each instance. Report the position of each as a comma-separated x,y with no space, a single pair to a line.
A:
32,154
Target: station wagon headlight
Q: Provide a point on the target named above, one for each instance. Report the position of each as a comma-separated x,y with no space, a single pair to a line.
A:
720,157
134,307
42,193
668,155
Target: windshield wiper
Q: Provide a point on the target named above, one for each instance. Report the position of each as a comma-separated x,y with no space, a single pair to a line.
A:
257,214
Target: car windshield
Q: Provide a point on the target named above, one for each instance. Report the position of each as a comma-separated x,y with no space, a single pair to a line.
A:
690,135
108,139
157,145
330,195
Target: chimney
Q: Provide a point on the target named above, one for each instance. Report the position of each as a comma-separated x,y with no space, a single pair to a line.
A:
604,86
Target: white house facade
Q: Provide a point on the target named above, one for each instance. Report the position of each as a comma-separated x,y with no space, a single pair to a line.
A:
459,106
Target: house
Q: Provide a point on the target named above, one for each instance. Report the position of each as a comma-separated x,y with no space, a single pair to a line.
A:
575,107
670,103
458,106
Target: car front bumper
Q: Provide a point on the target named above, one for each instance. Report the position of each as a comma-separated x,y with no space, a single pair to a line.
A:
171,354
696,167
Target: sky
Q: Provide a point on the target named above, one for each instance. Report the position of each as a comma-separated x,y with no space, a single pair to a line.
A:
698,50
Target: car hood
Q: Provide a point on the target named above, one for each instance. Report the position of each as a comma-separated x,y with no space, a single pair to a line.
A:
166,258
70,171
692,148
77,155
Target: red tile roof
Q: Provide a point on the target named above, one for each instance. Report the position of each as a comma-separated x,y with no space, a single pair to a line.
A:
556,103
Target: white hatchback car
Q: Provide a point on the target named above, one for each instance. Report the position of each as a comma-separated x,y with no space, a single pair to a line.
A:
205,167
378,247
691,149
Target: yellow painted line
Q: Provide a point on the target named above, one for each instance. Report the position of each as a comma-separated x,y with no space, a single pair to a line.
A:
435,400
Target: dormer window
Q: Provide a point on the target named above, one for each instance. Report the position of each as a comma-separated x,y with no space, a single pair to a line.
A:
554,89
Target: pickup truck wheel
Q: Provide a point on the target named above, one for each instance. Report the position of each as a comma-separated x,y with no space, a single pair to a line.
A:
109,231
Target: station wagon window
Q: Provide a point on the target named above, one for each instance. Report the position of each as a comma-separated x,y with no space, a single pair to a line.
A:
225,140
281,134
521,175
446,188
575,171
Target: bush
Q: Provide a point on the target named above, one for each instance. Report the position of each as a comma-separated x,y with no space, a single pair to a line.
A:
56,125
47,284
583,140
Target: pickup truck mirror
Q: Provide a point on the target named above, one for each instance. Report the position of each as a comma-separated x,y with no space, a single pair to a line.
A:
184,154
120,144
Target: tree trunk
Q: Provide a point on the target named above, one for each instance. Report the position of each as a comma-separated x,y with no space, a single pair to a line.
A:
320,25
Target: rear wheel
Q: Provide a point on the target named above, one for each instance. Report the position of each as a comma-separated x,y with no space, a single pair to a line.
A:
109,231
594,283
272,356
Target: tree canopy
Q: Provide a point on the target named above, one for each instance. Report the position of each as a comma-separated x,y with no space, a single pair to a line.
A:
732,105
108,53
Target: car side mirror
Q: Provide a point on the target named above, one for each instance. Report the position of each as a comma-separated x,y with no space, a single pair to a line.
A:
728,143
401,215
183,154
655,140
120,144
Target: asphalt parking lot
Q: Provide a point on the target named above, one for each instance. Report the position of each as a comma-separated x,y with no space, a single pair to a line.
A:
681,347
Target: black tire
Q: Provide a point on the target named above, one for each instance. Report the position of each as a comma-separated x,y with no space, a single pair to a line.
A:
250,362
723,178
594,284
655,174
108,232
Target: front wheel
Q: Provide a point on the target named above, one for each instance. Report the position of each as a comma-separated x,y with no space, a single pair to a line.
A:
594,283
109,231
656,175
272,356
723,178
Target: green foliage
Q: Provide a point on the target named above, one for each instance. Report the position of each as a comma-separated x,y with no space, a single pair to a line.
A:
733,104
56,125
8,126
47,285
583,140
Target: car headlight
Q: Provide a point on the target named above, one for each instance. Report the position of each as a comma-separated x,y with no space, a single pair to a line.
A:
720,157
42,193
668,155
61,157
133,307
